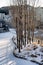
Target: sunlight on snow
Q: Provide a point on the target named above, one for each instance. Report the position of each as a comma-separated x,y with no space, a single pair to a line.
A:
3,42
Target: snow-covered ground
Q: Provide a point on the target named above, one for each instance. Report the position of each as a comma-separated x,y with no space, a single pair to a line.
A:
6,50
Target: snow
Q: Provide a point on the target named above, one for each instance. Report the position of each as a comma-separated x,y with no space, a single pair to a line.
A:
21,61
28,51
6,50
35,32
8,35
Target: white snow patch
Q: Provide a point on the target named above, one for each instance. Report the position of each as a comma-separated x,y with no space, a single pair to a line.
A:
6,51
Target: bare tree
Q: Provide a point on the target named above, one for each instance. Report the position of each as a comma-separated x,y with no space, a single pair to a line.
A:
20,3
32,19
24,25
